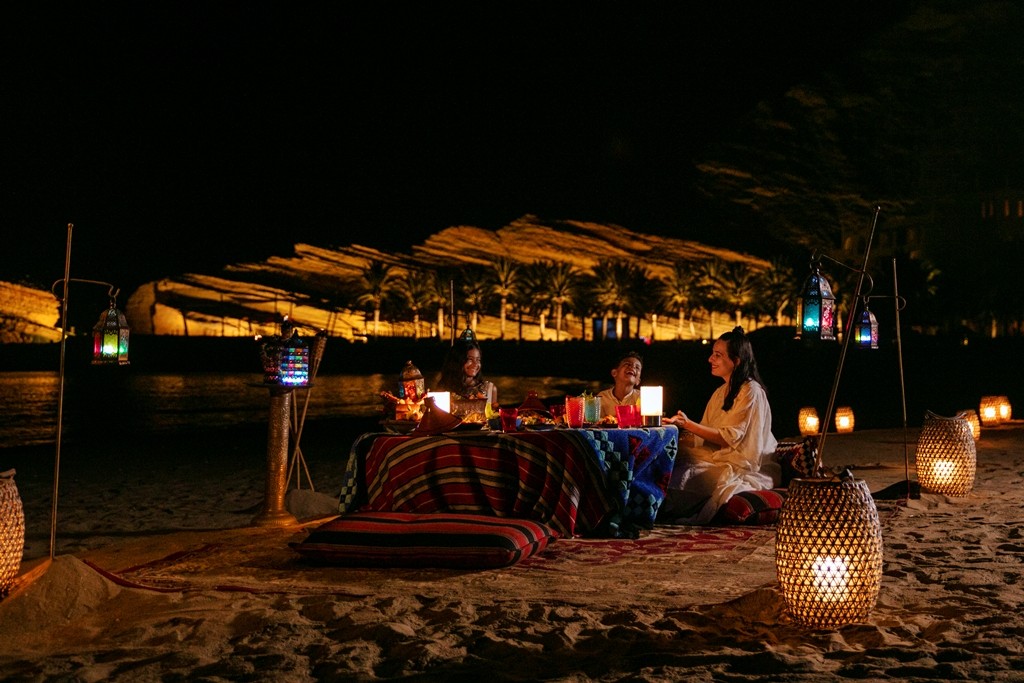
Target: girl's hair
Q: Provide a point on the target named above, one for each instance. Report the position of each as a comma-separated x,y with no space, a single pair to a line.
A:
452,378
742,354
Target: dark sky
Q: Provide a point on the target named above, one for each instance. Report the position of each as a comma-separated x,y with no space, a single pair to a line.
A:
183,136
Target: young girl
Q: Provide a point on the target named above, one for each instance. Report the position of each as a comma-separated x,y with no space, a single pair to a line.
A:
460,373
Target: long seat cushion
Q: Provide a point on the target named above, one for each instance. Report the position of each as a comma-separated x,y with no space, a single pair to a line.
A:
752,507
449,540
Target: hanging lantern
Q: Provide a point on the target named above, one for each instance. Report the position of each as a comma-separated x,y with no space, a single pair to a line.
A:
865,332
816,309
110,338
946,455
844,420
294,368
972,419
808,421
651,406
828,551
988,411
1005,409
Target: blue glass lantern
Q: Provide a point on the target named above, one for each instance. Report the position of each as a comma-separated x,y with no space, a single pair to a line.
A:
294,368
866,330
816,309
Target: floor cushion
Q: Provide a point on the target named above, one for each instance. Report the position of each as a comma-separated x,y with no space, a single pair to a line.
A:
752,507
798,459
399,539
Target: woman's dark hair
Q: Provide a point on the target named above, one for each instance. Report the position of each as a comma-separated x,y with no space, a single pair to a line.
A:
452,378
741,353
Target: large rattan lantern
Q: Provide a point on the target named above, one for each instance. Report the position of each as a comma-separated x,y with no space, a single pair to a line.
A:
828,551
12,531
844,419
808,421
988,411
946,455
971,416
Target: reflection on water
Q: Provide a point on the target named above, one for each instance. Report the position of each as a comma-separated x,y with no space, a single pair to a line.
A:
125,404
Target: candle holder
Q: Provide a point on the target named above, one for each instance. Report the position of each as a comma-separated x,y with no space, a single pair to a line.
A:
651,402
844,419
808,421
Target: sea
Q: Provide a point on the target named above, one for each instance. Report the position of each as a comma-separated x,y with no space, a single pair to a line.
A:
150,404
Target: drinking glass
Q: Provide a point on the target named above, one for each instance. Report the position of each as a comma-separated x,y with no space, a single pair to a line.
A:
592,410
574,411
508,418
627,416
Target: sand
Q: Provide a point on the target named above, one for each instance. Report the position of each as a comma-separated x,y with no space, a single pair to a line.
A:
949,606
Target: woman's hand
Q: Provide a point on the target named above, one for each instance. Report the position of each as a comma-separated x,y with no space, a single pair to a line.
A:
679,419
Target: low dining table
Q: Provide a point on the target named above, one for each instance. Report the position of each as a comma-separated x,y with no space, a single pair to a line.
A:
581,482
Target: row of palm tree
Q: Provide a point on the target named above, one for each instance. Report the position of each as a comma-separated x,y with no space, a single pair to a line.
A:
614,291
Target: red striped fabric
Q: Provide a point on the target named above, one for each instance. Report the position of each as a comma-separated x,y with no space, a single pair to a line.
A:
398,539
752,507
549,477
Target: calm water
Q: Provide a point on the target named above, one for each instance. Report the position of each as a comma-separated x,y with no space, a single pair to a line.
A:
137,403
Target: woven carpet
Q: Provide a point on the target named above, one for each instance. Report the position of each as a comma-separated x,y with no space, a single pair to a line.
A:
683,565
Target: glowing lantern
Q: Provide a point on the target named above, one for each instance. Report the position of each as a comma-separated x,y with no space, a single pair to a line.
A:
816,309
866,330
972,419
828,551
651,405
1005,409
946,455
988,411
844,420
808,421
110,338
442,400
294,368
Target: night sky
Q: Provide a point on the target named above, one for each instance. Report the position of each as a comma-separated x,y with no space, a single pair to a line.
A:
184,136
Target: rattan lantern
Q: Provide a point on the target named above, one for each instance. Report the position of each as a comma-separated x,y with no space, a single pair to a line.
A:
1005,409
12,531
988,411
971,416
808,421
844,419
946,455
828,551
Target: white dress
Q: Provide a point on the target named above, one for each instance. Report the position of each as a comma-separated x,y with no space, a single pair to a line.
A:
714,476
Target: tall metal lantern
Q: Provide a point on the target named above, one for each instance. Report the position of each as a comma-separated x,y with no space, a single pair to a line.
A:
816,309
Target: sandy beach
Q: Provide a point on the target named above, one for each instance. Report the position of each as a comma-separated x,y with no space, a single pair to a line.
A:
159,575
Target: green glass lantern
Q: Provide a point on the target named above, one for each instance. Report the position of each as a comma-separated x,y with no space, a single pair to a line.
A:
110,338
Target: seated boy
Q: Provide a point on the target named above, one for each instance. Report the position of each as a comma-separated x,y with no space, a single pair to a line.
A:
626,391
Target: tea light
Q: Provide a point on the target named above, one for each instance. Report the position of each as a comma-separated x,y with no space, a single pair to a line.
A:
831,576
844,420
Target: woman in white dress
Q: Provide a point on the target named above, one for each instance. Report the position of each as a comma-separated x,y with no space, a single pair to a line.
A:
729,442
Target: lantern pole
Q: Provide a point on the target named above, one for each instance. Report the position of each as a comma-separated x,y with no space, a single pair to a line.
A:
903,391
62,298
846,333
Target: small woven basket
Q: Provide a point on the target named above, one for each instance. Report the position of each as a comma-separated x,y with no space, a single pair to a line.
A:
12,531
946,455
828,551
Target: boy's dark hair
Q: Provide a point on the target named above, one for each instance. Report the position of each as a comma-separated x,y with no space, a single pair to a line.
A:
627,356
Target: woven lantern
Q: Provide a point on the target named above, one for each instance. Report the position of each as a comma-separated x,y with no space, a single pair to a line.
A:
988,411
12,531
1005,409
828,551
971,416
844,420
946,455
808,421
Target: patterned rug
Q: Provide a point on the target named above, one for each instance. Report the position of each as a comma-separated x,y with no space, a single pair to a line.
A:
684,565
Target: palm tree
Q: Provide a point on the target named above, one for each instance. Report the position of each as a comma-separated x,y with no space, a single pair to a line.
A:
680,290
375,285
475,291
740,290
417,295
535,291
712,281
778,288
506,277
561,286
440,293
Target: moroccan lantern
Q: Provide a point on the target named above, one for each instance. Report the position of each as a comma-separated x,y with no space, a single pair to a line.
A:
816,309
865,332
110,338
